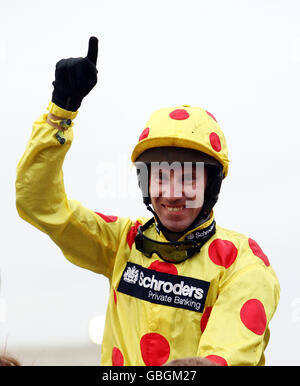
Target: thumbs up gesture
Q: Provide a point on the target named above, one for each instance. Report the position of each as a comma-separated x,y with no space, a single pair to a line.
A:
75,78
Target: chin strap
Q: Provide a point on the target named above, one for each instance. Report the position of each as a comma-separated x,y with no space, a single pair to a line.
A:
212,191
158,225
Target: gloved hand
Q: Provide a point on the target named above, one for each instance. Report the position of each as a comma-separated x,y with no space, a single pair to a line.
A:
75,78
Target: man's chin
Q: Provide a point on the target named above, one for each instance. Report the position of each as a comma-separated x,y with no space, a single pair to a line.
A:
177,227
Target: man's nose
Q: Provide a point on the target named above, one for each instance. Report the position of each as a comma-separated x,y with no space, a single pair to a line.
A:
173,189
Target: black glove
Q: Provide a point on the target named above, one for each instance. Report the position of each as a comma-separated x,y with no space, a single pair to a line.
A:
75,77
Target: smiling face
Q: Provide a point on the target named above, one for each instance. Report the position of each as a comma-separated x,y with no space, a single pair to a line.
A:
177,193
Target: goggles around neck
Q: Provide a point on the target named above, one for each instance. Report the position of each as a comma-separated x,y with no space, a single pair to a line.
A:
173,251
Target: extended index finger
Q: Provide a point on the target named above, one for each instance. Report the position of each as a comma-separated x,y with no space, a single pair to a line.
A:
93,49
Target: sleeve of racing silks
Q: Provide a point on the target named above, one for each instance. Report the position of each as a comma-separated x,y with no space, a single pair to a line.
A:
237,332
87,239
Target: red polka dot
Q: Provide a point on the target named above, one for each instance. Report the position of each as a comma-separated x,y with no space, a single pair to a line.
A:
205,317
217,359
222,252
253,316
210,114
163,267
117,357
144,134
179,114
115,296
107,218
215,141
132,233
155,349
258,251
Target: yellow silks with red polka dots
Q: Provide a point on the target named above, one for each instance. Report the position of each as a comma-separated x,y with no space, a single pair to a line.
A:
232,329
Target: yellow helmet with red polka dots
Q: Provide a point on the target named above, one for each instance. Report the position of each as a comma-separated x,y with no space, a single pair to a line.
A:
184,134
184,127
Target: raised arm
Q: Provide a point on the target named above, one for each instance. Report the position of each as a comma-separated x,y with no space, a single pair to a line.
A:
83,236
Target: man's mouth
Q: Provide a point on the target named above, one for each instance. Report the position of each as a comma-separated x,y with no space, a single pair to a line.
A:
173,208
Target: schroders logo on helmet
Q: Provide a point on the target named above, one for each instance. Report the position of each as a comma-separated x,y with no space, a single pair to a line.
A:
163,288
173,179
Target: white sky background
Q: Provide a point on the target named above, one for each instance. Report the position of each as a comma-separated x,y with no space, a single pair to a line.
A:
240,60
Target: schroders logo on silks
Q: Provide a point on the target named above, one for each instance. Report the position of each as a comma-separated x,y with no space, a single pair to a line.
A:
131,275
164,288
